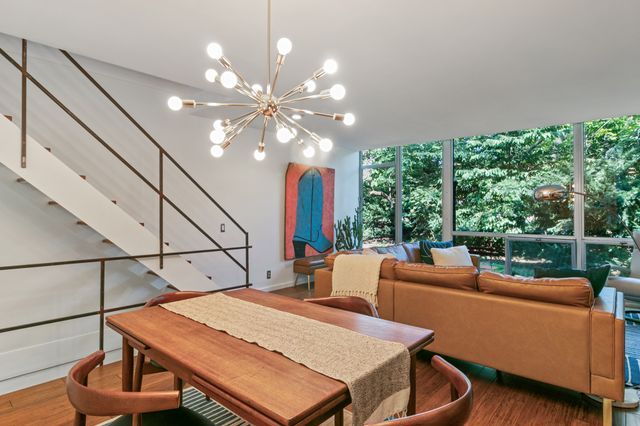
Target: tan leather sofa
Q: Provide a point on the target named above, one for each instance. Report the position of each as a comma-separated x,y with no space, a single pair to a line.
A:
551,330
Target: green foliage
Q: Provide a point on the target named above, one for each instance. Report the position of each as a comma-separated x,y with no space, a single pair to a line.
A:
494,178
349,232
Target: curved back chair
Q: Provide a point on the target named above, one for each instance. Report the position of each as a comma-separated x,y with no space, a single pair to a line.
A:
347,303
96,402
142,368
455,413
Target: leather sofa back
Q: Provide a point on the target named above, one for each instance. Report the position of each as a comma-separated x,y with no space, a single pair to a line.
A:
458,277
563,291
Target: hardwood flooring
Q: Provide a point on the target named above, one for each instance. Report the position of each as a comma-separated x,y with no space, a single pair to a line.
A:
510,401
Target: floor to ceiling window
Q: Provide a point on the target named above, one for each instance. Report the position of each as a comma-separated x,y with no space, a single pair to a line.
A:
489,181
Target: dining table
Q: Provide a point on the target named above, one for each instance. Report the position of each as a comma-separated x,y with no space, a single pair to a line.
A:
261,386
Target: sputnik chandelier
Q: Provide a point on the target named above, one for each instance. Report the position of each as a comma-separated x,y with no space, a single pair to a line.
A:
281,110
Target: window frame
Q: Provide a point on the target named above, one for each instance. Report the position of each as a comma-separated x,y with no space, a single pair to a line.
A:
578,239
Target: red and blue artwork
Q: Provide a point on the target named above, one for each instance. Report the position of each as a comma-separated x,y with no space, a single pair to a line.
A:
308,211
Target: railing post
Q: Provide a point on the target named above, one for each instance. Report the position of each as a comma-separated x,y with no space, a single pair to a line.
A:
23,126
246,264
161,207
102,268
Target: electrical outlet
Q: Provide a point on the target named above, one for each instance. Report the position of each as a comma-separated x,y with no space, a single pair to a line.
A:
268,275
222,227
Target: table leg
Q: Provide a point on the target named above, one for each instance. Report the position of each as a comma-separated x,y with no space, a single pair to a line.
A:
411,408
127,366
338,419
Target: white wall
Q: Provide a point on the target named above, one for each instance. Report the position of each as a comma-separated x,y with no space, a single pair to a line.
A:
252,192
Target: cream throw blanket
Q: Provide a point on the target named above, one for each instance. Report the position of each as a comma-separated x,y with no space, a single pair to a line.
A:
375,371
357,275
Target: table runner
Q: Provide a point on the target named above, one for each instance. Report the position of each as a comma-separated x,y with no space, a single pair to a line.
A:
375,371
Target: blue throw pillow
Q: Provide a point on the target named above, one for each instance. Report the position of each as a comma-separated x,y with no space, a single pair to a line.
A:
597,276
426,246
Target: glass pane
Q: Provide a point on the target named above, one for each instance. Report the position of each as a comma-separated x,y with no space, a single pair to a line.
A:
378,156
378,206
490,250
495,177
527,255
612,182
422,191
618,256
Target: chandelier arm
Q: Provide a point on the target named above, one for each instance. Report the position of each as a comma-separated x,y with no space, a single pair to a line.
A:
238,118
304,98
279,62
248,121
242,121
244,87
300,87
313,136
264,130
220,104
308,112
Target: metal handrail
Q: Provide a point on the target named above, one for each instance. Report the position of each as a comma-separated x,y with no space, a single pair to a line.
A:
162,153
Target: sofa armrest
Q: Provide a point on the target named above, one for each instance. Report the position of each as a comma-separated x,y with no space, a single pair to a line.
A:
607,345
322,283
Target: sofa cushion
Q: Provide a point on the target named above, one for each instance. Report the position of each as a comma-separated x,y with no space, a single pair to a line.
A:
426,246
563,291
597,276
397,251
457,277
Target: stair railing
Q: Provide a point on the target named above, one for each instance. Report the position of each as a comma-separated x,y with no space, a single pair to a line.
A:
159,190
162,153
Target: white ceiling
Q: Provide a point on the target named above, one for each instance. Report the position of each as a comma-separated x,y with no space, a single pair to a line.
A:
415,70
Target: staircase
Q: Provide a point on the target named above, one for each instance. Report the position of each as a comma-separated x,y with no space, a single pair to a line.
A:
75,194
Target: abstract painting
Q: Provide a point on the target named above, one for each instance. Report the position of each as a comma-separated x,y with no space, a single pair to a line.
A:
308,211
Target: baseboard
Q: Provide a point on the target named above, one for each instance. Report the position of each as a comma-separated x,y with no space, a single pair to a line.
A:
279,286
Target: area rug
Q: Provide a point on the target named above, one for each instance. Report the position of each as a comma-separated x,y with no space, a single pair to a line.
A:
217,414
632,349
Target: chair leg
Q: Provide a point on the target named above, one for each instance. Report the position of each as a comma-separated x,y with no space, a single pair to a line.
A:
136,419
338,419
137,373
607,412
295,281
80,419
309,283
177,385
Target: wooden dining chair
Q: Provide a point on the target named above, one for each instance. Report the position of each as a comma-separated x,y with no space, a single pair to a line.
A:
150,367
157,408
454,413
347,303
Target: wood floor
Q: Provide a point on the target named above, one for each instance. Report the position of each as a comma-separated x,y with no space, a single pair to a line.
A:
511,401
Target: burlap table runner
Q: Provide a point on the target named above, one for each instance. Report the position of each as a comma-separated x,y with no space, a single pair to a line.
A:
375,371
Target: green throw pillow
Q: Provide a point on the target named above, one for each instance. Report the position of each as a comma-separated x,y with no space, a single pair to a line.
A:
597,276
426,246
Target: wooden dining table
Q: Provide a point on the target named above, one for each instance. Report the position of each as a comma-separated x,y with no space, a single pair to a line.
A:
261,386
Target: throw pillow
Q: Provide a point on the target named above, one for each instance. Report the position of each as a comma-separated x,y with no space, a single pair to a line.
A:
426,246
454,256
597,276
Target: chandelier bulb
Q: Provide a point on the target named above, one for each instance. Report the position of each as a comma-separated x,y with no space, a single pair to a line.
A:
216,151
229,79
296,116
217,125
349,119
259,154
330,66
309,151
284,46
214,50
284,135
211,75
325,145
310,86
337,91
217,136
174,103
257,88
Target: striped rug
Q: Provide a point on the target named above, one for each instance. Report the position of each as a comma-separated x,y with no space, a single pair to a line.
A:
218,415
632,349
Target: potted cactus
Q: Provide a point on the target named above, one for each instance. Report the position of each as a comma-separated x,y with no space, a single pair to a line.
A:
349,232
